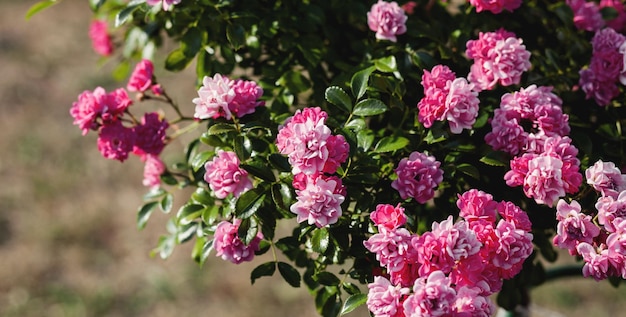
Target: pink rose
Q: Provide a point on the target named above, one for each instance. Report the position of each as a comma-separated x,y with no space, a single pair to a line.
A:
574,227
475,204
246,98
150,134
229,246
432,296
96,108
388,216
320,202
153,168
115,141
387,19
418,176
225,177
214,97
100,38
385,299
606,178
496,6
141,78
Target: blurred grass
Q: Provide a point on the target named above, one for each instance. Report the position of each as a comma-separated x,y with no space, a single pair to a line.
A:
68,241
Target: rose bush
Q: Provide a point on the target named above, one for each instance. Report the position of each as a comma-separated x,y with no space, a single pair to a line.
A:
439,152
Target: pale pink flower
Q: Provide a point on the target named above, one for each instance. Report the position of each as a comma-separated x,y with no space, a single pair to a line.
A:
606,178
167,4
150,134
385,299
587,15
141,78
573,227
229,246
388,216
418,176
596,261
432,296
611,211
319,203
462,105
606,67
515,245
96,108
616,250
387,19
544,181
392,247
100,38
475,204
338,150
496,6
246,98
115,141
153,168
471,303
225,176
214,97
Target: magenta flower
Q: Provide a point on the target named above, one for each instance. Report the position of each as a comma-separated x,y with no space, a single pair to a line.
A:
388,216
606,67
619,22
150,134
387,19
475,204
225,177
587,15
499,57
392,247
611,211
153,168
115,141
418,176
319,203
141,78
606,178
167,4
462,105
385,299
96,108
574,227
230,247
515,245
496,6
515,215
433,296
246,98
213,98
100,38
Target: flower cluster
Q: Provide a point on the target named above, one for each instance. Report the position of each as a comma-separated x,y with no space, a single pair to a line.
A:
387,19
496,6
525,119
226,98
452,269
418,176
587,15
447,98
599,80
499,57
598,236
314,154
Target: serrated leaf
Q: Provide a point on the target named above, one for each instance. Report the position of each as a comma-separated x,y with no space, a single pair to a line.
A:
290,274
243,147
265,269
338,97
495,159
38,7
144,212
391,143
353,302
327,278
369,107
281,195
469,170
125,14
248,229
320,240
365,139
221,128
167,202
177,60
248,203
359,81
236,35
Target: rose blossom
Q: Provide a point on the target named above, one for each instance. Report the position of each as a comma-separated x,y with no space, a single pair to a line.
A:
100,38
385,299
418,176
115,141
611,211
153,168
387,19
99,107
475,204
515,245
141,78
596,261
167,4
388,216
150,134
587,15
574,227
225,177
230,247
619,22
213,98
496,6
471,303
320,202
462,105
606,178
246,98
433,296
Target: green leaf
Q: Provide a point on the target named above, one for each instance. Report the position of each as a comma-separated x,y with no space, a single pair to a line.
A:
96,4
320,240
121,71
167,202
243,147
359,81
164,247
125,14
38,7
192,42
154,194
469,170
353,302
265,269
423,60
221,128
248,229
177,60
186,232
281,195
290,274
202,196
236,35
259,170
339,98
365,139
369,107
249,202
386,64
391,143
327,278
294,81
144,212
350,288
280,162
200,159
495,158
188,213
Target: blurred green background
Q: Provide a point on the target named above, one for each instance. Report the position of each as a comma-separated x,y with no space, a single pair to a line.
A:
68,240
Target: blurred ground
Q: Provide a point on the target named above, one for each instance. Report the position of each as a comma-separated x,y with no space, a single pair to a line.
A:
68,241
